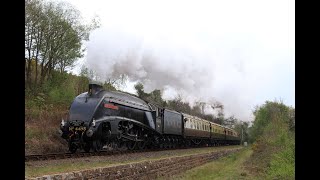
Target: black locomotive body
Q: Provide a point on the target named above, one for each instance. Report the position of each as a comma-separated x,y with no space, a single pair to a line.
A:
118,120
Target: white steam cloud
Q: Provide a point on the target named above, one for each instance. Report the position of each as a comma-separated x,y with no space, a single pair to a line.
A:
192,71
240,53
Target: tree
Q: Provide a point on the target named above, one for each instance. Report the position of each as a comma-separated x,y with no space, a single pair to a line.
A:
242,129
230,122
270,112
139,89
154,97
34,32
116,81
53,36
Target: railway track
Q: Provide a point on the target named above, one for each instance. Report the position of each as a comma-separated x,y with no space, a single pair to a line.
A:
40,157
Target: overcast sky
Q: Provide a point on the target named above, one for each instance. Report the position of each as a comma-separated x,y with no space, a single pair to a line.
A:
241,53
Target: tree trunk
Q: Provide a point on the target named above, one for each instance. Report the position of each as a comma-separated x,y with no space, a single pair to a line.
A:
29,73
39,38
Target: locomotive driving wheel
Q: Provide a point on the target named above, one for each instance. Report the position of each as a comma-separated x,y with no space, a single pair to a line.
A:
120,145
141,144
131,131
131,145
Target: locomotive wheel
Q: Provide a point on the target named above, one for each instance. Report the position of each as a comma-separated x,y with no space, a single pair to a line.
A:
96,145
131,145
73,148
122,146
141,144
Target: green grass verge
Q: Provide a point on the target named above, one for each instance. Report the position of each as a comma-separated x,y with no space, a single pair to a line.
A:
230,167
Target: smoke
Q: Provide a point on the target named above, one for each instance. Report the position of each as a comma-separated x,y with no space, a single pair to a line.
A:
191,70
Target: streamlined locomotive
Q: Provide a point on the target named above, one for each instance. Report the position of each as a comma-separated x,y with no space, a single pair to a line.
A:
118,120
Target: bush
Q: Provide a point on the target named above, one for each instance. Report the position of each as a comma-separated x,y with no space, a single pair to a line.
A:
59,95
274,146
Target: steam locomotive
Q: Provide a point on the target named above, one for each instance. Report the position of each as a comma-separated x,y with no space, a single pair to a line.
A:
100,118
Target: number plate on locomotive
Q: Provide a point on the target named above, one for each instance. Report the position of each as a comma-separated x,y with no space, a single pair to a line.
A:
81,128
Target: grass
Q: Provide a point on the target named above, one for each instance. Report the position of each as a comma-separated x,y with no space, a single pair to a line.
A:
282,164
80,164
230,167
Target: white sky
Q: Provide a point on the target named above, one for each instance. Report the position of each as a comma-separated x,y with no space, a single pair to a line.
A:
250,45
